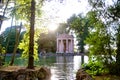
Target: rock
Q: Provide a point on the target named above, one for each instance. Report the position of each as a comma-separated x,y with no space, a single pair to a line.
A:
44,74
82,75
16,73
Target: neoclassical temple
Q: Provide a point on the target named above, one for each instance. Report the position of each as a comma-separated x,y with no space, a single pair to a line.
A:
65,43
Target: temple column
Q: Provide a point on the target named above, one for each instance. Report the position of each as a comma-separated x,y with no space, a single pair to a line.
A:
62,46
72,45
57,46
60,49
67,46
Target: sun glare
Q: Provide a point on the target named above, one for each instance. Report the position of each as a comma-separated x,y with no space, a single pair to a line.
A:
52,27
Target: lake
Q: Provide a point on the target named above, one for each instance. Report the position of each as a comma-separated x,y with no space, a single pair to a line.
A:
62,67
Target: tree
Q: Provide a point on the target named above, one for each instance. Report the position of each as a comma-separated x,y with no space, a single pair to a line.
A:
18,31
4,11
47,42
99,39
29,11
24,43
79,25
62,28
31,38
105,17
9,34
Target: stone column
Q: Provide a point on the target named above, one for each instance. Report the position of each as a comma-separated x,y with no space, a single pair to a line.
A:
67,46
57,46
72,45
62,46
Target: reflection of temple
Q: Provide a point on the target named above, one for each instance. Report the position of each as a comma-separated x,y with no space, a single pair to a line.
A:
65,43
65,67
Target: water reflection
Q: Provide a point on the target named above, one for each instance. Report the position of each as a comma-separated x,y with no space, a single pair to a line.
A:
62,67
66,67
78,61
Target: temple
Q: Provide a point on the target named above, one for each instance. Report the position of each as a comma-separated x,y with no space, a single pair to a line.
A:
65,43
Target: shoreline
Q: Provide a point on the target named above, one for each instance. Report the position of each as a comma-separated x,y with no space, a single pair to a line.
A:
51,54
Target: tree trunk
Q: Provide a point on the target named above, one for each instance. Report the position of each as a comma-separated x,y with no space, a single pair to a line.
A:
118,59
16,44
31,41
4,57
1,21
118,53
82,46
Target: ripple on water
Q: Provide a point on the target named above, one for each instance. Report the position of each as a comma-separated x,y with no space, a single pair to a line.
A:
63,71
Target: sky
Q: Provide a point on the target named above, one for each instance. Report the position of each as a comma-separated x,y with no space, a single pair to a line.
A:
62,11
55,12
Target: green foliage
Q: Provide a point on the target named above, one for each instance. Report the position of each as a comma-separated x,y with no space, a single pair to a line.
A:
114,10
104,38
22,9
8,38
24,44
62,28
95,66
79,25
2,50
47,42
99,42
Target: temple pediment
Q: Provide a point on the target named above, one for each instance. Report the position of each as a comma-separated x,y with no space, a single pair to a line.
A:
65,36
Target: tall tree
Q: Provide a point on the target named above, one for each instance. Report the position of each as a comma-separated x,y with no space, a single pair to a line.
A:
108,15
4,11
79,25
31,40
28,9
18,30
99,39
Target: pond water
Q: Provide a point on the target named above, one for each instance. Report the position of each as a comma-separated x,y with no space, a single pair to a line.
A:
62,67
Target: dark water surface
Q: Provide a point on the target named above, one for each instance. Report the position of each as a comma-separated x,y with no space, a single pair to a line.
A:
62,67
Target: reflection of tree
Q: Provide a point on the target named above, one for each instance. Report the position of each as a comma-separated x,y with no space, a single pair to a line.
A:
82,59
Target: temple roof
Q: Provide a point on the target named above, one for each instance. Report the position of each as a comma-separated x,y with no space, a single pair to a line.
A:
65,36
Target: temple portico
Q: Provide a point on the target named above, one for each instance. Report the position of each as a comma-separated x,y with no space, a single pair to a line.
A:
65,43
